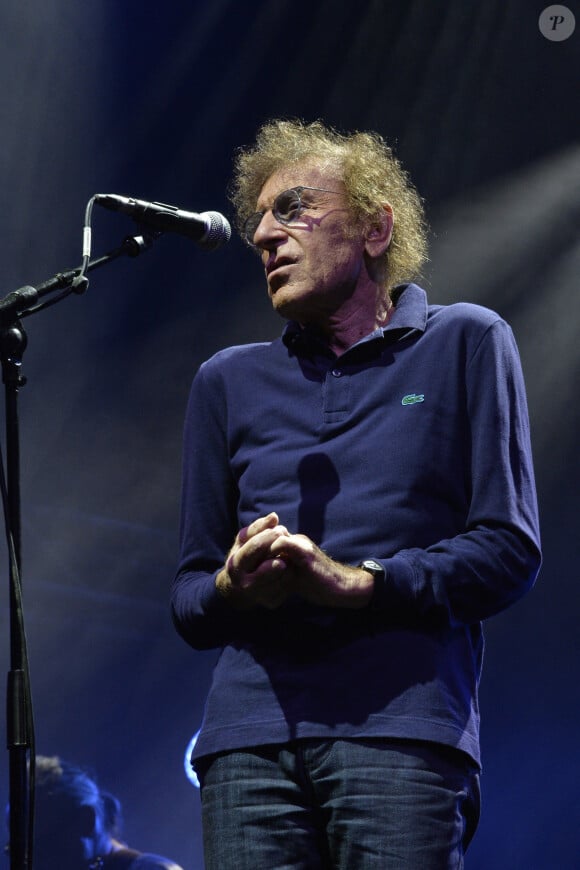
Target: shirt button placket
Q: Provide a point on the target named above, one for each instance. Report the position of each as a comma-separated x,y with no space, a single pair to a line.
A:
336,398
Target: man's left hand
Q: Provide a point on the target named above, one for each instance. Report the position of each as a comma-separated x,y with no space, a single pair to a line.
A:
320,579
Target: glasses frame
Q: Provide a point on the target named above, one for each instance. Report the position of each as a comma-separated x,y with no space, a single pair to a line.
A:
255,219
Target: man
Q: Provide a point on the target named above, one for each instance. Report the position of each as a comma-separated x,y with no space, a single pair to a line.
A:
77,826
373,470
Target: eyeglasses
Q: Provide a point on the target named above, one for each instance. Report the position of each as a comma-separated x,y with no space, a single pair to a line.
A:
287,208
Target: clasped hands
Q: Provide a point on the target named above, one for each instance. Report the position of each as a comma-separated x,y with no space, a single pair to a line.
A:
267,564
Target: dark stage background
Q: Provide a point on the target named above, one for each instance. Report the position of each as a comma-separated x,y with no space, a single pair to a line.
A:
150,101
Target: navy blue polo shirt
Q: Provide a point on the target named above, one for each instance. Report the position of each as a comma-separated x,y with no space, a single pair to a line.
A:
412,448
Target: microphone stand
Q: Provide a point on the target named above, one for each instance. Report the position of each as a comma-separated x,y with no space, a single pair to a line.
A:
20,729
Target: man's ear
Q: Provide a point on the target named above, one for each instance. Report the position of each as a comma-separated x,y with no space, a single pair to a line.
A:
380,232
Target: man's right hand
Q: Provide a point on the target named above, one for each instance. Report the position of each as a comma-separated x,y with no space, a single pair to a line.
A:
254,574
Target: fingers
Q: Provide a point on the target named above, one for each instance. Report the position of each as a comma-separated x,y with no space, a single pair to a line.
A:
254,573
297,549
259,525
254,545
268,586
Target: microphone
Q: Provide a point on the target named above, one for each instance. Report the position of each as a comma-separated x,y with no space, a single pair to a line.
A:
210,229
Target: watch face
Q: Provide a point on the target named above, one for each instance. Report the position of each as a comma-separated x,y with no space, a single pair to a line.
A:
373,567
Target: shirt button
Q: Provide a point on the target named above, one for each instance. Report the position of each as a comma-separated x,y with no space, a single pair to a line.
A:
336,373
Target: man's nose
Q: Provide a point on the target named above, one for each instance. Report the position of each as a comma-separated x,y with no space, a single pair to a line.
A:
269,230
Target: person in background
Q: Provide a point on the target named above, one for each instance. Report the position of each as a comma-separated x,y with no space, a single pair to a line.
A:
358,496
78,827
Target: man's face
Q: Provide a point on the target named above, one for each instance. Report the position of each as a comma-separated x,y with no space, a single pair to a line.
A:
62,833
314,264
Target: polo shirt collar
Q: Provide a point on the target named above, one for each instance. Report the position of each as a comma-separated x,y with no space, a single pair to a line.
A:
410,314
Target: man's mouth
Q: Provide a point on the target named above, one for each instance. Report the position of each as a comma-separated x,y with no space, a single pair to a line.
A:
278,274
278,263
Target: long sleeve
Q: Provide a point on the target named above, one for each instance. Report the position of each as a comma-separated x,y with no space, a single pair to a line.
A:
494,561
208,518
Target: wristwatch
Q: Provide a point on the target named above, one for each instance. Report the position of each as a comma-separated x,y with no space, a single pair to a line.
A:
375,568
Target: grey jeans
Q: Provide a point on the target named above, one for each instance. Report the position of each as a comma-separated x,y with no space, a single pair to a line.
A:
340,804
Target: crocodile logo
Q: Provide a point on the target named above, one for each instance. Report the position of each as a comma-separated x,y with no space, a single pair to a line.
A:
413,398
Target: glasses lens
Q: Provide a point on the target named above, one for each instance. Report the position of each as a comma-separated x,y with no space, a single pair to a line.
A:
251,226
287,206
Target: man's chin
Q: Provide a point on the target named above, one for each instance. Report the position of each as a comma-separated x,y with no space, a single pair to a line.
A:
281,300
287,308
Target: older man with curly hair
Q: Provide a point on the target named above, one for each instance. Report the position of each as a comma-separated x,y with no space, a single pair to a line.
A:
358,496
